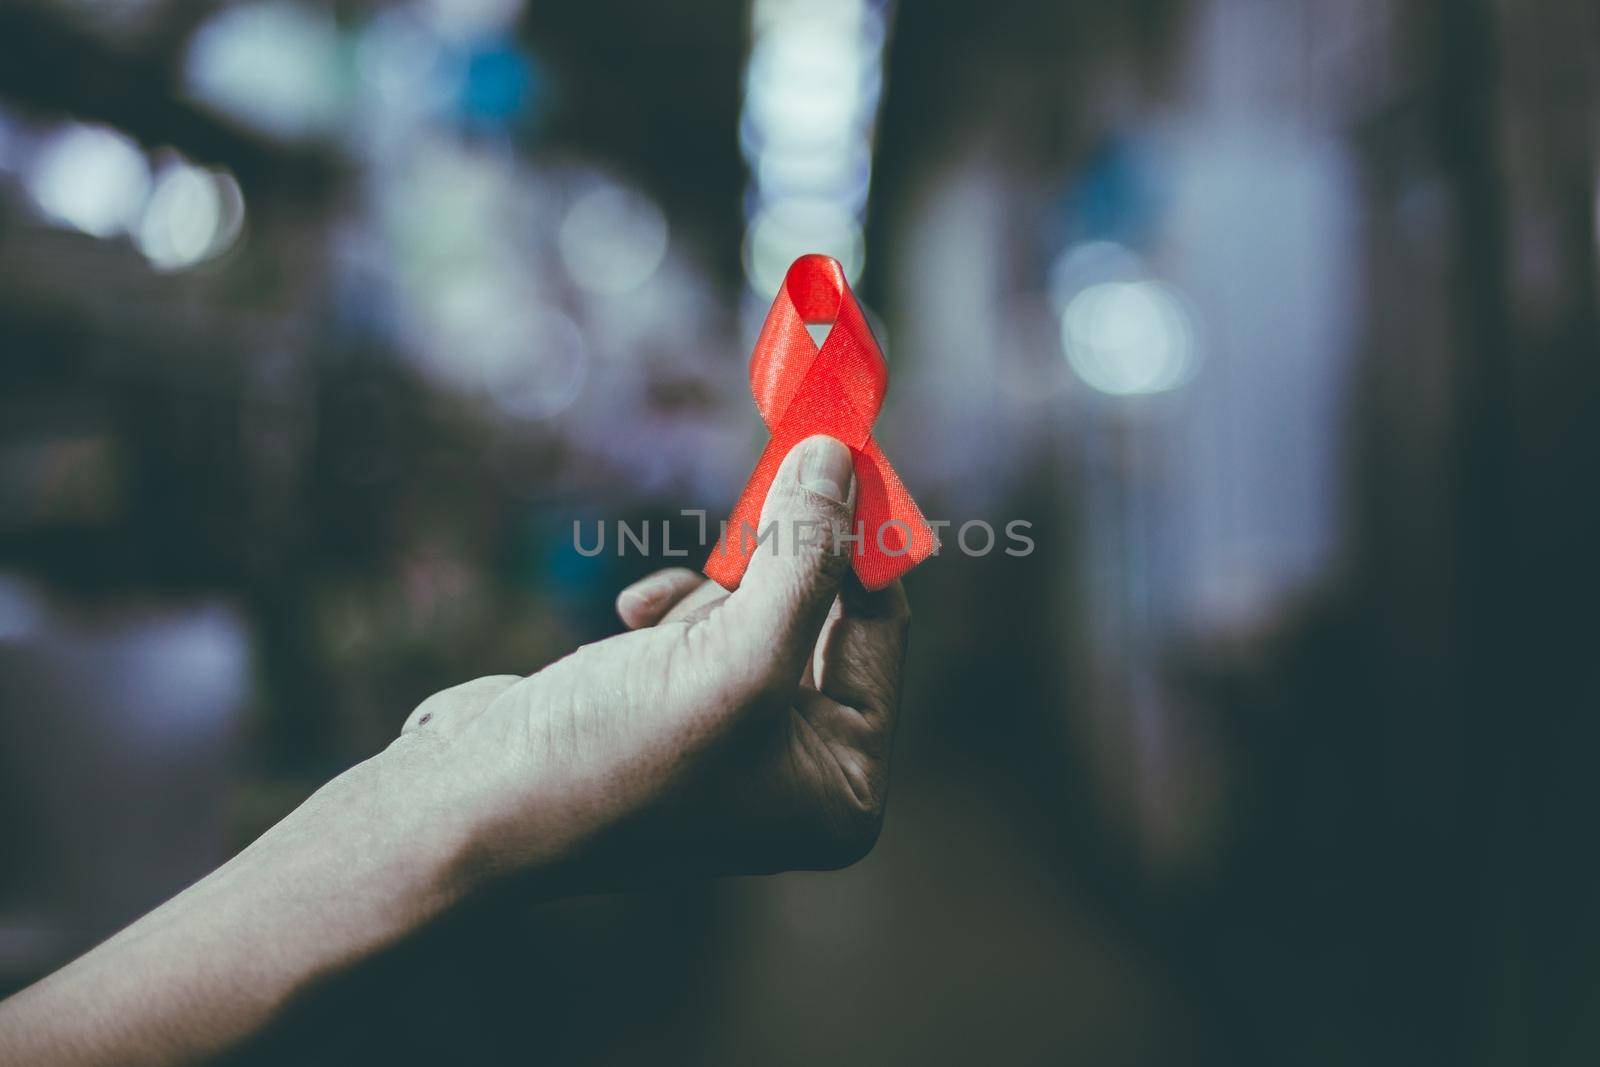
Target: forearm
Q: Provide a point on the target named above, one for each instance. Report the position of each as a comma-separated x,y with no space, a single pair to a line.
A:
688,748
369,857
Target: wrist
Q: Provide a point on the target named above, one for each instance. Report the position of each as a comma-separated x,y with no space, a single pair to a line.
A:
425,829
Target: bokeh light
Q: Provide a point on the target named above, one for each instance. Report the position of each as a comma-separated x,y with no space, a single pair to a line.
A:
783,231
193,215
1091,263
811,91
90,178
534,363
1129,338
612,240
273,65
405,65
808,80
470,18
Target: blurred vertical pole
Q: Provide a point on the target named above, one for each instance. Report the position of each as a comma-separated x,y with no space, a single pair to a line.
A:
1531,460
1464,105
1479,559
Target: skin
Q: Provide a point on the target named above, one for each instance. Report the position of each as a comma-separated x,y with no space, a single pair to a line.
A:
723,734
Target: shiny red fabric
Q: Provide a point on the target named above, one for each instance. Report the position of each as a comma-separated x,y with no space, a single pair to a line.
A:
837,390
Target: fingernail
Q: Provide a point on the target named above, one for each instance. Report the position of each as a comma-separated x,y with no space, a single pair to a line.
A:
826,468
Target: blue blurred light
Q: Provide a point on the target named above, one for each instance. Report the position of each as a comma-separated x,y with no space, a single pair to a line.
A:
500,82
1115,198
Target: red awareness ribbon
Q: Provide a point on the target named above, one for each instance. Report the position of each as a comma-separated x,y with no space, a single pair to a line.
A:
837,389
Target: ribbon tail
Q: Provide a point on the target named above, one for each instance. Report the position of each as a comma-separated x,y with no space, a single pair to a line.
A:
894,535
740,538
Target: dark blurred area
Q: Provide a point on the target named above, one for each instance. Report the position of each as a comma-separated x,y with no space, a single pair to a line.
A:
321,323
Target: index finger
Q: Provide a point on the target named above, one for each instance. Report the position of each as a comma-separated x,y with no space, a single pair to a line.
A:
650,599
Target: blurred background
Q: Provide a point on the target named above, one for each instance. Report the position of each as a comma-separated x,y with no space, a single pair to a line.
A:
321,323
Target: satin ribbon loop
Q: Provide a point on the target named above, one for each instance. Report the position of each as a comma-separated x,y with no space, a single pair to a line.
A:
837,389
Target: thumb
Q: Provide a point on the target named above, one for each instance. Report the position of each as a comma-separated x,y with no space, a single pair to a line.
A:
773,618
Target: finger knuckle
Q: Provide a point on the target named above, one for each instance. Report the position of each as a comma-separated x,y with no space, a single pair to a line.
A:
826,528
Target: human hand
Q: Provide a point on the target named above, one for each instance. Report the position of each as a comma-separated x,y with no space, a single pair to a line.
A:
726,733
723,734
